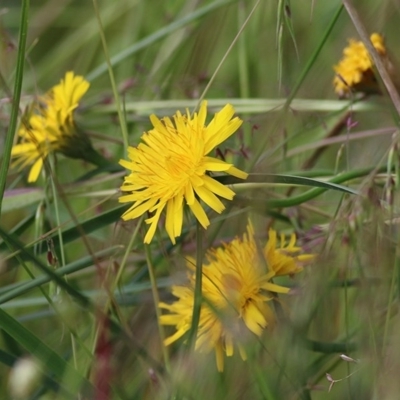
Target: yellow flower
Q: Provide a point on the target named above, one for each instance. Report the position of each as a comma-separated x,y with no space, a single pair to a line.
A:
285,260
171,166
236,288
355,71
51,126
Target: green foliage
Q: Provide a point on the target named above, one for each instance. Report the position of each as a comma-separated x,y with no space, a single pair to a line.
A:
79,290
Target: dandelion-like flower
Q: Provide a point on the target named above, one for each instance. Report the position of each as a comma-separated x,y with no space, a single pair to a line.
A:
285,259
236,288
51,127
354,71
171,166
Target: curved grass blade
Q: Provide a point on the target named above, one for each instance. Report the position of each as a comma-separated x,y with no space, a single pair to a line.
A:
15,99
287,179
19,229
310,194
12,291
88,226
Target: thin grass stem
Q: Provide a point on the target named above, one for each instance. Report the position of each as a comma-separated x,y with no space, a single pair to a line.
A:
156,299
198,297
121,117
8,143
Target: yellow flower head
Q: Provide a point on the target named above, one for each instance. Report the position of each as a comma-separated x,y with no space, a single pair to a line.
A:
171,166
354,71
236,288
285,260
51,126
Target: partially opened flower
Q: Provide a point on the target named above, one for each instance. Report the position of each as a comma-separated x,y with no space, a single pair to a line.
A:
237,288
51,127
355,69
171,167
285,260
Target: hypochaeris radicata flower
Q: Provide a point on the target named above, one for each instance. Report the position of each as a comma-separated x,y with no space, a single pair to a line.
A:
171,166
355,70
237,290
50,127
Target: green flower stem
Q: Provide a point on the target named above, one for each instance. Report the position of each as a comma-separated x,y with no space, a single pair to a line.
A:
198,286
156,299
15,99
391,299
55,195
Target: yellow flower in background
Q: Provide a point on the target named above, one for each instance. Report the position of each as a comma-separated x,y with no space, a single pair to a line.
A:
236,289
51,127
61,102
285,260
354,71
171,164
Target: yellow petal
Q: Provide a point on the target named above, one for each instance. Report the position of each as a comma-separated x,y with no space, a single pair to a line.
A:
215,165
210,199
173,222
137,209
219,357
200,214
171,339
229,345
35,170
153,225
237,173
253,319
218,188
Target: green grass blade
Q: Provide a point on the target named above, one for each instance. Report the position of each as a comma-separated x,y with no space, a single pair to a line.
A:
15,100
12,291
7,358
314,56
15,244
19,198
88,226
285,179
310,194
154,37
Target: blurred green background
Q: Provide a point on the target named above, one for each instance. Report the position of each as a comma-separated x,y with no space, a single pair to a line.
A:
167,52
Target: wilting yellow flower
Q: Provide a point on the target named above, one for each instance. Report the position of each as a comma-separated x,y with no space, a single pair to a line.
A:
171,166
51,126
354,71
236,289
